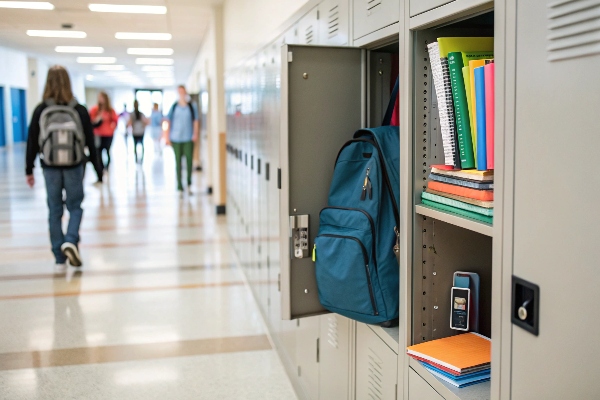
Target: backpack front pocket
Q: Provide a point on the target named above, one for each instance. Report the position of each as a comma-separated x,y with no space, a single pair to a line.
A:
344,274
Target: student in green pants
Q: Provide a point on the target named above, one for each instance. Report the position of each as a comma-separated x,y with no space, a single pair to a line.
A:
182,133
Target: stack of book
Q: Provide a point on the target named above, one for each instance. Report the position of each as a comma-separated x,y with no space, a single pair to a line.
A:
460,360
468,193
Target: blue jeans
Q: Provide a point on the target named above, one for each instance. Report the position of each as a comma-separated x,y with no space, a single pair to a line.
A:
71,180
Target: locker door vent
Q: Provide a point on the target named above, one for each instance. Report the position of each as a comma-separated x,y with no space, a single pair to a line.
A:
332,331
573,29
372,5
309,34
333,22
375,376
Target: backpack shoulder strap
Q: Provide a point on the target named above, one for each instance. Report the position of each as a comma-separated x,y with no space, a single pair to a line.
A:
50,102
73,103
191,106
387,119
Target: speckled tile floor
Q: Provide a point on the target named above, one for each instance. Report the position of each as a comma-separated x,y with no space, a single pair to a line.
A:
159,310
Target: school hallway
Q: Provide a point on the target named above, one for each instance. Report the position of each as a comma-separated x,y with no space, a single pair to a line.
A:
160,309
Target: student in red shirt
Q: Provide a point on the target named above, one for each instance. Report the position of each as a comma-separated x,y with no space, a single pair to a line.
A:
104,119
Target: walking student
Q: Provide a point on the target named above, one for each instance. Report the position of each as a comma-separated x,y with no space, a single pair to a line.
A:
105,121
60,128
182,133
156,119
137,122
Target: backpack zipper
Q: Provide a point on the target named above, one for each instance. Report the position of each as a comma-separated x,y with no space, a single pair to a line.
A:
366,262
371,222
367,187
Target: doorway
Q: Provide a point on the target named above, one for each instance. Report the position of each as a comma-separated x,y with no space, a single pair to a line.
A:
146,99
2,126
19,114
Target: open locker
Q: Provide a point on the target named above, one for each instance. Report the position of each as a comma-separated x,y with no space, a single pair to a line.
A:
439,243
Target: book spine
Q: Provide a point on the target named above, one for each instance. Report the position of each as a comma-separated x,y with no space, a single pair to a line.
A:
480,110
441,92
461,112
489,113
467,80
450,112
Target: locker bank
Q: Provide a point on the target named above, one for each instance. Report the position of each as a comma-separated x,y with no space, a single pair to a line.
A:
281,158
243,288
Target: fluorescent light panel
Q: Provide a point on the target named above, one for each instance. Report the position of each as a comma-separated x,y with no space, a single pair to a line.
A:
119,73
142,36
160,74
96,60
150,68
154,61
29,5
149,51
79,49
127,9
113,67
57,34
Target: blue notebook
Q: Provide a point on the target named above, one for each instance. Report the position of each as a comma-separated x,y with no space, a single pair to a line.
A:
462,182
459,381
481,133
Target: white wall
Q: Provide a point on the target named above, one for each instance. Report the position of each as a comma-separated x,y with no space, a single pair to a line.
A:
13,74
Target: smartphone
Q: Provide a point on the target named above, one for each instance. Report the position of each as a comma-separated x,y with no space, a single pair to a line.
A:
460,298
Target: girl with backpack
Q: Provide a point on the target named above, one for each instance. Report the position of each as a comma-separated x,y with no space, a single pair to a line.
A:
60,128
138,123
105,120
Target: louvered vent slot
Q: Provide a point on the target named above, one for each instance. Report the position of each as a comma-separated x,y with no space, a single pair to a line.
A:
371,4
333,22
573,29
309,34
375,376
332,332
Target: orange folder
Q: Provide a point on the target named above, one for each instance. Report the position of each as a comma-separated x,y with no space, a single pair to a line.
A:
457,353
485,195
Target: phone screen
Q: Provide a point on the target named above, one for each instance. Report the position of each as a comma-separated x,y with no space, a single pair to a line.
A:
460,309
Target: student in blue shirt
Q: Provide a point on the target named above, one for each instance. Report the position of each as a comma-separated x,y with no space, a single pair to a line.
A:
182,133
156,119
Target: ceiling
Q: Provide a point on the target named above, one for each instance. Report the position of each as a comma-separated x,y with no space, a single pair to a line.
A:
186,20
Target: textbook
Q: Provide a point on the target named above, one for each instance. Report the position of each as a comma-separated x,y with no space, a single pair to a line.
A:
461,182
457,204
489,72
457,353
481,118
458,211
485,195
461,111
472,175
480,203
459,381
472,65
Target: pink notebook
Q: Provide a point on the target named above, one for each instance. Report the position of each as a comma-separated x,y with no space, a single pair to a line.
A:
489,113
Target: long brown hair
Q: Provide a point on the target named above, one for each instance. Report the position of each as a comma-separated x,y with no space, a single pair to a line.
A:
58,85
106,106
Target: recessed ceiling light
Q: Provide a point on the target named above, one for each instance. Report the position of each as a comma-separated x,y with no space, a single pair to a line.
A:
149,51
130,9
108,67
96,60
89,77
148,68
79,49
160,74
118,73
142,36
57,34
154,61
30,5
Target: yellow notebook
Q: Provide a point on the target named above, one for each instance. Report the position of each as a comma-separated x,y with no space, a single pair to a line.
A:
457,353
464,44
467,79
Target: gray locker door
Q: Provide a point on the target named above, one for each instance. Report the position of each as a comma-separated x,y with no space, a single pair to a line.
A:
376,366
321,108
334,357
556,192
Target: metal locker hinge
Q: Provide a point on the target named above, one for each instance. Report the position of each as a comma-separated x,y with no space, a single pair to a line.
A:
318,349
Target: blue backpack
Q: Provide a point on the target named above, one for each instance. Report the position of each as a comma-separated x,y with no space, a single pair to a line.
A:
356,266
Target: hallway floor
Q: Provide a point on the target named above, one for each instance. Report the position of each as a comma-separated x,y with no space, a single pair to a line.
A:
160,309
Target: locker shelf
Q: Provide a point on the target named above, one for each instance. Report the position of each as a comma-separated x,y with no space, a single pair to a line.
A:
389,335
463,222
480,391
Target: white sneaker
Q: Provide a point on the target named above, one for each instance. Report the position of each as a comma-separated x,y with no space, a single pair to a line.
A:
72,253
60,268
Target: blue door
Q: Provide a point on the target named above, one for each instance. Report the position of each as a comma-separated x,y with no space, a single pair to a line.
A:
19,114
2,132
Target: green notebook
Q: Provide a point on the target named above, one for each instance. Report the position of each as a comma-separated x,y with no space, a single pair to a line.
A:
458,204
461,111
458,211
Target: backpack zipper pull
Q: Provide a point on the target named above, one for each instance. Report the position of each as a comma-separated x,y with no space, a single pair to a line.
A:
370,189
366,183
314,254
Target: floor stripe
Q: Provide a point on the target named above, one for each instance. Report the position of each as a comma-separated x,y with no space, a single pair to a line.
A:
133,352
120,272
67,293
